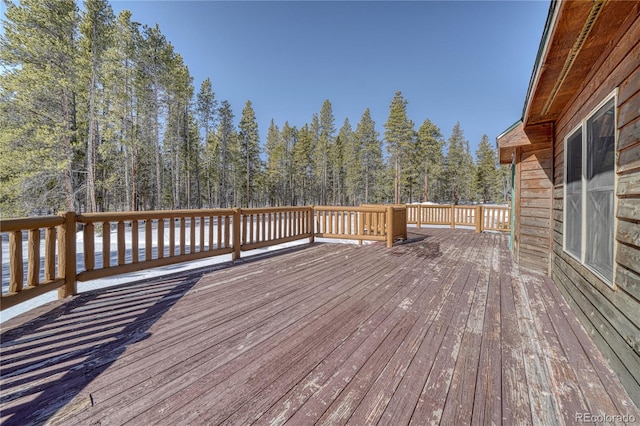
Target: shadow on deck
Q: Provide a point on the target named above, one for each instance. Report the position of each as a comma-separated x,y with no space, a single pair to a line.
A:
440,329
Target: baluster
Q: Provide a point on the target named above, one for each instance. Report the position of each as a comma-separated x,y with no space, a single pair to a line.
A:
121,243
148,240
50,254
160,238
134,241
33,258
106,244
89,247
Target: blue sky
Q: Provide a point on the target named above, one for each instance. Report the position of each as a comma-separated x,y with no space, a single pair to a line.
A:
453,61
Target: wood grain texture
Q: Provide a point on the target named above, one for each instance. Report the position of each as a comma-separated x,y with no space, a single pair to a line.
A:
440,328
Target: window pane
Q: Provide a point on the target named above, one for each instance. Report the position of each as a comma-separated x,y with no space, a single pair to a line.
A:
600,182
573,202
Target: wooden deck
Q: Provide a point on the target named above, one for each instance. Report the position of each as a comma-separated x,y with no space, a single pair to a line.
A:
440,330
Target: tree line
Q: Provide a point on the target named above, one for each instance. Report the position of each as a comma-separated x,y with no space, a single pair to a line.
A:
100,113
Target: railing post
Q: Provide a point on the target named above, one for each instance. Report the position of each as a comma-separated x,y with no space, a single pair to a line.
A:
67,255
479,219
419,216
236,234
453,216
404,224
311,224
390,228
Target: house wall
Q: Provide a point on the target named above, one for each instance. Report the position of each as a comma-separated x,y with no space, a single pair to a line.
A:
611,316
533,209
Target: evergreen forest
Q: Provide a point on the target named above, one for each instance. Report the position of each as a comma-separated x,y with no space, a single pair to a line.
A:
100,113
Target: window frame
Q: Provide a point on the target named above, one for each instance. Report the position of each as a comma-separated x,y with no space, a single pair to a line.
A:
582,127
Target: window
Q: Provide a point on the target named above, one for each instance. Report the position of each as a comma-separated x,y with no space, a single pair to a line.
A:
589,191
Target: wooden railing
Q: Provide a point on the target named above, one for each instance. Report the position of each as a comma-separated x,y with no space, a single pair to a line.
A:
42,275
367,222
167,237
492,218
133,241
276,225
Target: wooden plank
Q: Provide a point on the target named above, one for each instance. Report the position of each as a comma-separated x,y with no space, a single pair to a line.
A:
629,281
304,335
612,311
148,264
516,407
629,159
629,86
594,349
628,135
611,71
616,351
19,224
629,185
255,342
355,350
628,110
628,233
628,208
10,300
536,193
628,256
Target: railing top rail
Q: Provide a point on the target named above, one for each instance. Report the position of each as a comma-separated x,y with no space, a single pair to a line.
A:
27,223
151,214
259,210
379,209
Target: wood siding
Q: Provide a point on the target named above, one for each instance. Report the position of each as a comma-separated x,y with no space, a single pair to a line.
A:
610,315
534,172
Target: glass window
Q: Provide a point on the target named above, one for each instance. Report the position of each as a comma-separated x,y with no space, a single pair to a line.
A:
589,186
600,182
573,206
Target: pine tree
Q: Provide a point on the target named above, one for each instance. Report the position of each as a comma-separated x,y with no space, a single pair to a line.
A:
225,140
338,165
459,167
429,153
250,153
96,30
323,148
371,158
278,168
38,104
487,180
119,134
398,135
302,165
206,107
355,166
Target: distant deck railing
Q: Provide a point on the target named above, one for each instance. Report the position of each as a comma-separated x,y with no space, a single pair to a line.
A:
492,218
151,239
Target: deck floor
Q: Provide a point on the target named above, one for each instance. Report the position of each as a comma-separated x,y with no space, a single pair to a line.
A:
443,329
